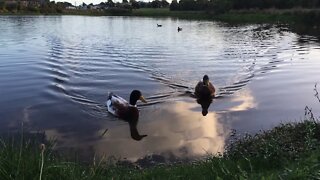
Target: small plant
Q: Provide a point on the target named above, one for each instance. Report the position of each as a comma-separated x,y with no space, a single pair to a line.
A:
316,92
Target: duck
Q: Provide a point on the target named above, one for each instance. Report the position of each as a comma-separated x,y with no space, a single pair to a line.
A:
159,25
179,29
203,96
127,111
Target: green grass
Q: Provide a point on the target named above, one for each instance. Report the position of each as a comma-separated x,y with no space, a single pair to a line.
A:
165,12
248,16
289,17
288,151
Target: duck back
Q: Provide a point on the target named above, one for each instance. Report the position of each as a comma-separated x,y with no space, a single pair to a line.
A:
115,104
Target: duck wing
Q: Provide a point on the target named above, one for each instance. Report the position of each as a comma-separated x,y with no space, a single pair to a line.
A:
116,104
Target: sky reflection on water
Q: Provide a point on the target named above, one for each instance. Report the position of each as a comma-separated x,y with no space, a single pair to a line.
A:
177,128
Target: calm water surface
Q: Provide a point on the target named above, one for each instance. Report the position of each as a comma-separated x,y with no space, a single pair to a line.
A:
55,73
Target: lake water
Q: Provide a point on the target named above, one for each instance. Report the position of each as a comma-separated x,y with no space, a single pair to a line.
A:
56,72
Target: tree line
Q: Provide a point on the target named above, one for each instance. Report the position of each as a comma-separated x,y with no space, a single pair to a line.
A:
34,6
216,6
58,7
226,5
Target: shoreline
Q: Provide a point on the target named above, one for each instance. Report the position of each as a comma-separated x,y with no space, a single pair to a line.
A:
288,16
289,150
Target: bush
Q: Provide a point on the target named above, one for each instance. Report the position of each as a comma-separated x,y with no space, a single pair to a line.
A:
220,6
11,6
33,9
118,11
2,5
174,6
284,142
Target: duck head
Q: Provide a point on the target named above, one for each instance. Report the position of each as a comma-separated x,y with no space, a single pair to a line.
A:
205,80
135,96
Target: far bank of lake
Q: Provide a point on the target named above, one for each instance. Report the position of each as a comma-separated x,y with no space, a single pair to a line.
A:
290,16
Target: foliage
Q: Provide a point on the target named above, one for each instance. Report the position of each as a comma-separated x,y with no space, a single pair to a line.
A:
284,142
281,4
118,11
174,5
2,4
220,6
156,4
223,6
11,6
135,4
110,3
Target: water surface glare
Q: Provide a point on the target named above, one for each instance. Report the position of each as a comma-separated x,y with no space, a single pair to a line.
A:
56,72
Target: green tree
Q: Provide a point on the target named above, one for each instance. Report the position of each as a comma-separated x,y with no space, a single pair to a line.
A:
11,6
202,4
156,4
220,6
188,5
143,4
135,4
110,3
164,3
2,3
174,6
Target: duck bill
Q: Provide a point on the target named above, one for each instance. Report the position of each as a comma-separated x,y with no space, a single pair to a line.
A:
142,99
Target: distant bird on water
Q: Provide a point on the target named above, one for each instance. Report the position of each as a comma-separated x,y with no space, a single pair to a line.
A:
159,25
179,29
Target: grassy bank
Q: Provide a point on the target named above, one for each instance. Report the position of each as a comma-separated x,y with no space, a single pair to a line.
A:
290,16
293,16
289,151
143,12
165,12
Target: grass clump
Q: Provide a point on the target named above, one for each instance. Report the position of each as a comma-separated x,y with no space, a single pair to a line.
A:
284,142
289,151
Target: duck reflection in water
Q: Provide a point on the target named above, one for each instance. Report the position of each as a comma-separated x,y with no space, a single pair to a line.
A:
204,92
129,112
